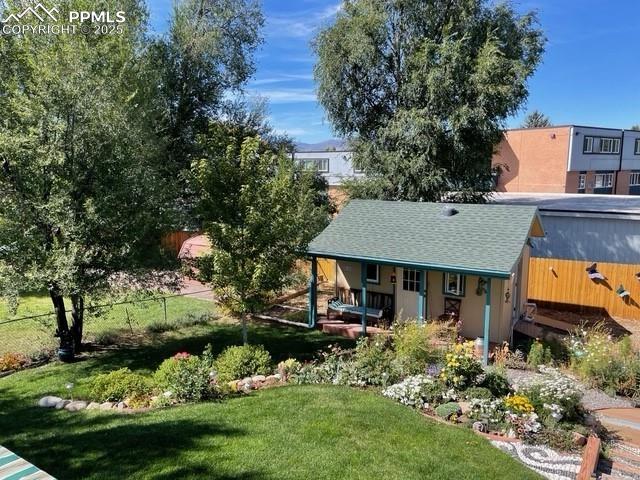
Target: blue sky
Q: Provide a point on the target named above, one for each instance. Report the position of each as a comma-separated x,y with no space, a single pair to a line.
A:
590,73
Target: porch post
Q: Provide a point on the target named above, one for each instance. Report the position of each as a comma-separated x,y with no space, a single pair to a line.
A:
313,293
421,282
363,296
487,321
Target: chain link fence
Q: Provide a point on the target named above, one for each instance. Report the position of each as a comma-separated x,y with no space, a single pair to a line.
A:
33,335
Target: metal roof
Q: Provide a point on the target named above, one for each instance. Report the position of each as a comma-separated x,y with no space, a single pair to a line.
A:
478,239
573,202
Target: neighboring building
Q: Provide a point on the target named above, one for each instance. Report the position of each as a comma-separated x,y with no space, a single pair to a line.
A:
334,165
474,258
581,230
569,159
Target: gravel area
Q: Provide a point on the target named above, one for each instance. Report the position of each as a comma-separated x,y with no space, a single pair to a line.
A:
544,460
592,399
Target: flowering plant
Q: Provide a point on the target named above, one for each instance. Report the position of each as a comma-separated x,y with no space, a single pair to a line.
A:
181,356
415,391
518,404
489,411
461,368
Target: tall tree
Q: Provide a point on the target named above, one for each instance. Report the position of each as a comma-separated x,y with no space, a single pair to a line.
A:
635,128
81,197
536,119
260,210
423,87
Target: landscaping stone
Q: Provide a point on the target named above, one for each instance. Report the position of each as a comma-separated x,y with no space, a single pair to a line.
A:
258,378
106,406
479,427
49,401
270,380
546,461
76,406
62,403
121,406
465,407
278,376
93,406
579,439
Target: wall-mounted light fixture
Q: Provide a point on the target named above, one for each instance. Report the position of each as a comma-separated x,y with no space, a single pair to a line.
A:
507,296
594,274
480,289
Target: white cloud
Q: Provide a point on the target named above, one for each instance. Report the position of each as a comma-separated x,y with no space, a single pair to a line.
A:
281,78
294,131
301,24
289,95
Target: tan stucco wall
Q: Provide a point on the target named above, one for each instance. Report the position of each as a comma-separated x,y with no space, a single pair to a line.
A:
536,158
406,302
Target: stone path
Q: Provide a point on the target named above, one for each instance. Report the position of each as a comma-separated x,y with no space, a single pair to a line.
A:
622,463
547,462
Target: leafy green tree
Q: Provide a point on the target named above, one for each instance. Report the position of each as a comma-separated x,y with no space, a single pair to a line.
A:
81,195
259,211
635,128
424,88
536,119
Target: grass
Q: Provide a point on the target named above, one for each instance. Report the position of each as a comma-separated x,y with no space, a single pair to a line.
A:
32,335
294,432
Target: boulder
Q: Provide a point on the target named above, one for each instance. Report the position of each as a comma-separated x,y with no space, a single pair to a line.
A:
270,380
579,440
465,407
76,406
106,406
121,406
479,427
62,403
258,378
49,401
278,376
93,406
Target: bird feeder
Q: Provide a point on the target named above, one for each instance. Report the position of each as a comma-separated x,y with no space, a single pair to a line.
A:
594,274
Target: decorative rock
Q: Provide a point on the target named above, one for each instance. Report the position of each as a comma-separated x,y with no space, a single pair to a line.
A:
278,376
258,378
121,406
246,386
76,406
578,439
93,406
270,380
465,407
106,406
62,403
479,427
49,401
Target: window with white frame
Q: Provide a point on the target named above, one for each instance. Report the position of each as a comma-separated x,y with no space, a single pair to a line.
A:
609,145
636,150
634,179
587,146
319,164
603,180
373,273
454,284
410,280
582,181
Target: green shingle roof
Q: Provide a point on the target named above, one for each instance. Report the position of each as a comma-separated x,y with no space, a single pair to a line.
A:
483,239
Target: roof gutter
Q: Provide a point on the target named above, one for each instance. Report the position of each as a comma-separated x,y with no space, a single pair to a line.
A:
415,265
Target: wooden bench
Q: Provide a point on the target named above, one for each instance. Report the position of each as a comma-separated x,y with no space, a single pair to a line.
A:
348,304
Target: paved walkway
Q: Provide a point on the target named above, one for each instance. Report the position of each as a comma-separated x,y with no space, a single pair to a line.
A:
547,462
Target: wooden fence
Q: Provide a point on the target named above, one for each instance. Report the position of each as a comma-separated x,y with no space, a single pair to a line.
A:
565,284
172,241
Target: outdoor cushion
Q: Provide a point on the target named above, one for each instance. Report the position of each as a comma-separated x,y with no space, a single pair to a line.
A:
15,468
354,309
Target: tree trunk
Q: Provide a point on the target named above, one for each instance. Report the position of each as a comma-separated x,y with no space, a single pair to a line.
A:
245,320
62,327
77,314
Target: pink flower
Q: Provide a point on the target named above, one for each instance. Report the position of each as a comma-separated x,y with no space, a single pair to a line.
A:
181,356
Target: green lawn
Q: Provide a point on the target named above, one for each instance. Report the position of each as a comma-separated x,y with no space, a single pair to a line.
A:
294,432
32,335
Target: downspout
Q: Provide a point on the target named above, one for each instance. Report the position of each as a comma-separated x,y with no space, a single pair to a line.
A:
615,185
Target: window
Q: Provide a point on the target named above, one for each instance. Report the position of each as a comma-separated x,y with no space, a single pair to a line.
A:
454,284
587,146
634,179
636,149
319,164
410,280
604,180
609,145
373,273
582,180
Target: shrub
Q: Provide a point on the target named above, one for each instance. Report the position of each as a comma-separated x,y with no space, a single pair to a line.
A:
539,354
490,412
160,326
448,411
461,368
119,384
373,361
12,361
557,438
496,383
187,377
288,368
479,393
417,391
416,345
242,361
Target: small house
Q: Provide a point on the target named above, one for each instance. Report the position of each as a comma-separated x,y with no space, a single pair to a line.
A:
425,260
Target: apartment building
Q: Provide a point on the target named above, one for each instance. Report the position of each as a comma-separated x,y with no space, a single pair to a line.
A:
569,159
334,165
